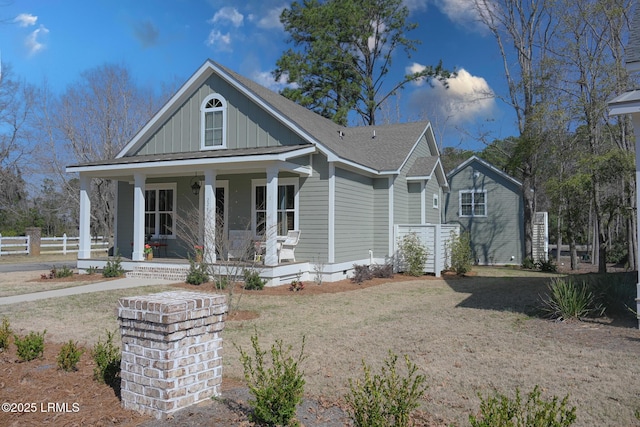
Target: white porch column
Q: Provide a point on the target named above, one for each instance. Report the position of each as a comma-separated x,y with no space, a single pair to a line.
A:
84,249
271,226
138,217
209,242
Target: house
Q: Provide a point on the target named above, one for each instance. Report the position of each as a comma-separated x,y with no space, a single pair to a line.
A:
487,203
228,148
628,103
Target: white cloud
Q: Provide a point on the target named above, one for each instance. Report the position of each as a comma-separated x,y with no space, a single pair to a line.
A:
265,78
26,20
466,98
33,43
415,5
462,12
219,41
230,14
272,18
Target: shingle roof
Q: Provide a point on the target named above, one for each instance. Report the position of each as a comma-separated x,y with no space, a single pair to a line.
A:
387,151
423,166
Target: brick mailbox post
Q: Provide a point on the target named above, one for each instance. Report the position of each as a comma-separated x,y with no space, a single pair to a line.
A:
171,350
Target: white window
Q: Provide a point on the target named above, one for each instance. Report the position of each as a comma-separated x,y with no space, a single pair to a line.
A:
213,123
159,210
287,211
473,203
435,201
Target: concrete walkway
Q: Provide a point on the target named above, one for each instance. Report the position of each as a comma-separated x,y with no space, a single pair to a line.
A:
84,289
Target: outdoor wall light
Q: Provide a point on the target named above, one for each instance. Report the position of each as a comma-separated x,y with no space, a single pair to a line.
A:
195,185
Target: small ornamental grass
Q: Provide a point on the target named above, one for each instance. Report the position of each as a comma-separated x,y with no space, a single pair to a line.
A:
31,346
501,411
568,299
387,398
69,356
277,387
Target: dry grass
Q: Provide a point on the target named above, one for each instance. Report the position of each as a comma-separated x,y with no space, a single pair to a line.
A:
469,336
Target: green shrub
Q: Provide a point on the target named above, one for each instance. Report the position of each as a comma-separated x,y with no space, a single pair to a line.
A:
107,357
252,280
31,346
385,399
414,254
113,267
361,273
461,254
277,389
69,356
198,273
547,266
570,300
62,272
528,263
5,333
500,411
222,282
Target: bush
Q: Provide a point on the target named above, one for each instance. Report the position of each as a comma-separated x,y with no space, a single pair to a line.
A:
385,399
361,273
113,267
252,280
528,263
107,357
5,333
500,411
461,254
570,300
31,346
197,274
277,389
414,254
384,271
62,272
69,356
548,266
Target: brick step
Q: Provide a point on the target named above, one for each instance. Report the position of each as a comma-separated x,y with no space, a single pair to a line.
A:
177,273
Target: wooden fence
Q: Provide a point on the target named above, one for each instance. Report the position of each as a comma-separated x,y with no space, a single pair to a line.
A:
49,245
435,237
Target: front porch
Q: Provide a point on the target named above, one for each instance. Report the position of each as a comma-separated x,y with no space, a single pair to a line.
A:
178,268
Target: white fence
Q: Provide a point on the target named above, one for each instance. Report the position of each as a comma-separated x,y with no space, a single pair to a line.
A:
15,245
435,237
49,245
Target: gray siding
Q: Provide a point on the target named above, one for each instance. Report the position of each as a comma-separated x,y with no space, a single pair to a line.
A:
314,213
406,195
353,216
432,215
500,235
414,199
381,217
248,125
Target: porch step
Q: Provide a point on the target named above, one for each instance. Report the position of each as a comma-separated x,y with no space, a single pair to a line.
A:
177,273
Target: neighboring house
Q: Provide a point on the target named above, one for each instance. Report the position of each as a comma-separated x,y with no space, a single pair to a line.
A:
628,103
268,165
488,204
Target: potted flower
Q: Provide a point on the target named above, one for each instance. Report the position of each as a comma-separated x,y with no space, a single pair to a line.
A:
148,251
199,252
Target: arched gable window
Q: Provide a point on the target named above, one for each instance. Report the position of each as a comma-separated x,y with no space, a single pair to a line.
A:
213,123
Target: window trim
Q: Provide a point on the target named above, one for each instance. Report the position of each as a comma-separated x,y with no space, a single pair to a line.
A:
203,113
473,203
163,186
281,182
436,201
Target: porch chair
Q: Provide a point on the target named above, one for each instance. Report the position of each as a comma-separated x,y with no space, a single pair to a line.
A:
286,249
240,242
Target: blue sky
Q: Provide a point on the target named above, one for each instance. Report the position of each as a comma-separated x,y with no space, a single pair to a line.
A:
165,41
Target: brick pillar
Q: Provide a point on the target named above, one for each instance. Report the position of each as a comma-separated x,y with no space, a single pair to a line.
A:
171,350
35,236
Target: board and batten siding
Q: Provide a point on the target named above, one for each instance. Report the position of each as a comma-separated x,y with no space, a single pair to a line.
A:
353,216
248,125
499,236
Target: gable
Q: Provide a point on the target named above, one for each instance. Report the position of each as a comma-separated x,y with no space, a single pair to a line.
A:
479,174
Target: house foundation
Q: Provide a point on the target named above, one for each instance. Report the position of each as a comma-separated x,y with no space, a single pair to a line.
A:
171,350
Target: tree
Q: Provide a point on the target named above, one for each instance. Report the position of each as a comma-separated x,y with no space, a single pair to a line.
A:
92,121
343,50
